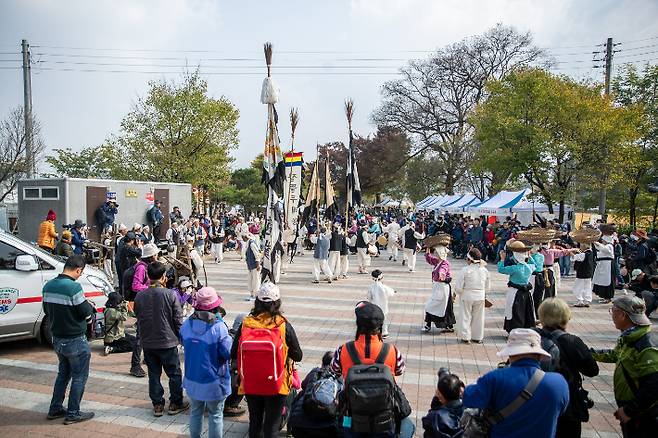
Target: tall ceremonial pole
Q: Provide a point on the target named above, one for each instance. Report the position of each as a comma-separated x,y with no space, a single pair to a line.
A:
273,174
353,186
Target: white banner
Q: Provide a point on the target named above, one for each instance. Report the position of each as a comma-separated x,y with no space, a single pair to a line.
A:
291,191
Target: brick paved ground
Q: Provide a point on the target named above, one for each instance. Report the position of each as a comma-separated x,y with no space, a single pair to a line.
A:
323,318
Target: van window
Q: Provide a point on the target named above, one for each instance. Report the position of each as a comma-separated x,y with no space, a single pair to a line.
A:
8,256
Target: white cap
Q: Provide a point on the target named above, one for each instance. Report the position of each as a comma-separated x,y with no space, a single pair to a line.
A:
523,341
150,250
137,226
123,227
268,292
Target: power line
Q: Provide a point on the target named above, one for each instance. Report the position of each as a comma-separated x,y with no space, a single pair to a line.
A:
643,39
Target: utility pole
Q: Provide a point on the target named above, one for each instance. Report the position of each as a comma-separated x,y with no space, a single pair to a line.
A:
27,108
603,193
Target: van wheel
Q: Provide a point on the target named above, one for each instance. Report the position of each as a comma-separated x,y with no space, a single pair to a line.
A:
46,333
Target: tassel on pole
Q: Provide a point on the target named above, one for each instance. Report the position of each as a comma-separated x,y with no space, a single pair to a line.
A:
294,120
269,94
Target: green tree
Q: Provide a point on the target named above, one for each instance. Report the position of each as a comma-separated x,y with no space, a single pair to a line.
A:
177,133
637,89
549,130
90,162
245,188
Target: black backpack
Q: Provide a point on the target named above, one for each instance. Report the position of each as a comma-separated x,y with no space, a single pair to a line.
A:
127,283
321,396
549,344
369,393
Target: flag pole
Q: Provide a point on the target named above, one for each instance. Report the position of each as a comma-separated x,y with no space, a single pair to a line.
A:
349,112
317,169
294,120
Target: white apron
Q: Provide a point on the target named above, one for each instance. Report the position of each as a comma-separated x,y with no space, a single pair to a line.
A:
509,301
603,271
438,302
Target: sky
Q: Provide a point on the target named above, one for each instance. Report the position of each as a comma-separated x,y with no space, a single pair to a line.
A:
93,59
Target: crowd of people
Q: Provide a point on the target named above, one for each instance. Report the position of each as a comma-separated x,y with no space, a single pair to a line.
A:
538,389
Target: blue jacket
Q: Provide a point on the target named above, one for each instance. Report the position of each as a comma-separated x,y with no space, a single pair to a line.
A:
443,422
321,248
519,273
207,357
476,235
77,240
537,418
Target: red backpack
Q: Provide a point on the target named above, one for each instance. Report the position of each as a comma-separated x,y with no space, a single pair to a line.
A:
261,362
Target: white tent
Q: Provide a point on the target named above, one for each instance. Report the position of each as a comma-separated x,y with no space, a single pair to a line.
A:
462,203
436,204
422,205
500,204
424,201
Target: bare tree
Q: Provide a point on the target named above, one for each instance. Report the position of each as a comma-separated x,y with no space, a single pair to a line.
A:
433,100
14,164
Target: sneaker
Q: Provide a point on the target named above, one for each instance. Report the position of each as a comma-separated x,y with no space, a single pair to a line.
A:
234,411
329,280
108,350
56,415
315,281
343,276
385,336
177,409
411,270
158,410
137,372
404,262
390,258
475,341
448,330
425,329
82,416
465,341
586,305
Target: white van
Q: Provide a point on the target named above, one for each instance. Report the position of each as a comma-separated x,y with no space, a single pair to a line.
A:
24,269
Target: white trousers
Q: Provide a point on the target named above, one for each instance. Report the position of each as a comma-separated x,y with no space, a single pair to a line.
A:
470,321
393,249
334,262
253,282
410,257
344,265
321,265
558,278
217,251
363,258
582,289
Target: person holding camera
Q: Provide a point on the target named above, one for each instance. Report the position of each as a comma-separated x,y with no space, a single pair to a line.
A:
116,339
575,360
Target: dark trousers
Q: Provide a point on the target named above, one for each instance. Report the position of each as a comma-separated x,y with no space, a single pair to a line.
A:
127,344
523,312
568,428
156,361
234,399
645,428
265,415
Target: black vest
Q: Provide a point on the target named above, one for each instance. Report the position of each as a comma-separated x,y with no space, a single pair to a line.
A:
335,244
360,243
585,269
410,240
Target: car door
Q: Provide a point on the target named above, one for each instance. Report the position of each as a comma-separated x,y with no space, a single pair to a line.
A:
20,295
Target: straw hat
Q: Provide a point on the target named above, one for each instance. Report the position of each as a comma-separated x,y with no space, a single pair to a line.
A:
440,239
517,246
586,235
608,229
537,235
641,234
522,341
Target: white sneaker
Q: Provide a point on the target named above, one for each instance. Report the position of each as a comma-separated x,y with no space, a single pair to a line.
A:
108,350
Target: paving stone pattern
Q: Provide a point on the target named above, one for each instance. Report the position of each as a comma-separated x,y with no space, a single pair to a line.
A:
323,317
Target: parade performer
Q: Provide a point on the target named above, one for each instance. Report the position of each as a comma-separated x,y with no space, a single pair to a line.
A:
335,246
550,270
321,255
584,265
379,294
216,235
362,241
519,309
252,257
393,231
438,309
344,254
604,277
538,277
410,238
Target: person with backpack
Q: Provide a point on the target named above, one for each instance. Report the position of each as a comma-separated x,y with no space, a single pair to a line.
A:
116,339
207,379
635,378
159,319
367,362
442,420
315,409
569,357
521,400
265,350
